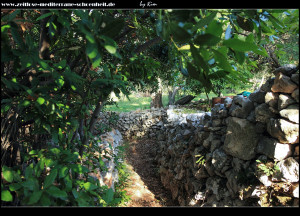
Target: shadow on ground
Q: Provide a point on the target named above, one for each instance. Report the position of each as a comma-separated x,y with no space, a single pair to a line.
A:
145,187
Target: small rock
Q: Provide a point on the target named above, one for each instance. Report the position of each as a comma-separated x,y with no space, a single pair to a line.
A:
268,85
271,99
295,78
262,113
227,102
285,69
295,189
284,101
187,132
241,107
288,170
263,178
295,95
273,149
291,113
283,84
284,131
257,96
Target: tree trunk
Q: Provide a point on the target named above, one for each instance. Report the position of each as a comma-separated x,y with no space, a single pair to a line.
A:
157,97
156,101
44,43
92,123
185,100
172,95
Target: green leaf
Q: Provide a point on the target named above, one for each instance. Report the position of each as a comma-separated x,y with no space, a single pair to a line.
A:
215,28
158,24
199,61
239,45
108,196
89,186
245,24
62,64
49,162
9,17
44,65
193,71
265,29
276,23
6,196
44,16
240,56
109,44
97,60
90,37
204,21
63,171
29,171
113,28
91,50
56,192
75,193
7,174
5,27
45,200
242,46
79,168
180,35
39,167
218,74
35,197
222,61
40,100
30,183
17,38
49,180
25,103
206,39
55,151
15,186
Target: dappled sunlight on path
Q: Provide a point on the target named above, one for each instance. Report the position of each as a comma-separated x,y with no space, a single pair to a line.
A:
145,187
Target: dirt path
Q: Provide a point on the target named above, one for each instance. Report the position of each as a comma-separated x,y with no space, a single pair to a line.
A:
145,187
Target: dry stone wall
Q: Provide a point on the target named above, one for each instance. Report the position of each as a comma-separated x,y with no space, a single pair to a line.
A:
244,152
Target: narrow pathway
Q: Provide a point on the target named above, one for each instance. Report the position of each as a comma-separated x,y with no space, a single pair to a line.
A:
145,187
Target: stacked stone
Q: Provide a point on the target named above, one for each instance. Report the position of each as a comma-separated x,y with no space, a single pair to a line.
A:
229,142
108,144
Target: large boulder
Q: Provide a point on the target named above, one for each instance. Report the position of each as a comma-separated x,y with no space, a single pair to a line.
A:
283,130
241,138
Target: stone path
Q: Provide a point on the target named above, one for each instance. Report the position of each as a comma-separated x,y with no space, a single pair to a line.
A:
145,187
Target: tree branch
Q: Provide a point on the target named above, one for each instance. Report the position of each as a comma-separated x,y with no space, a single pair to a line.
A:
144,46
100,104
44,43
